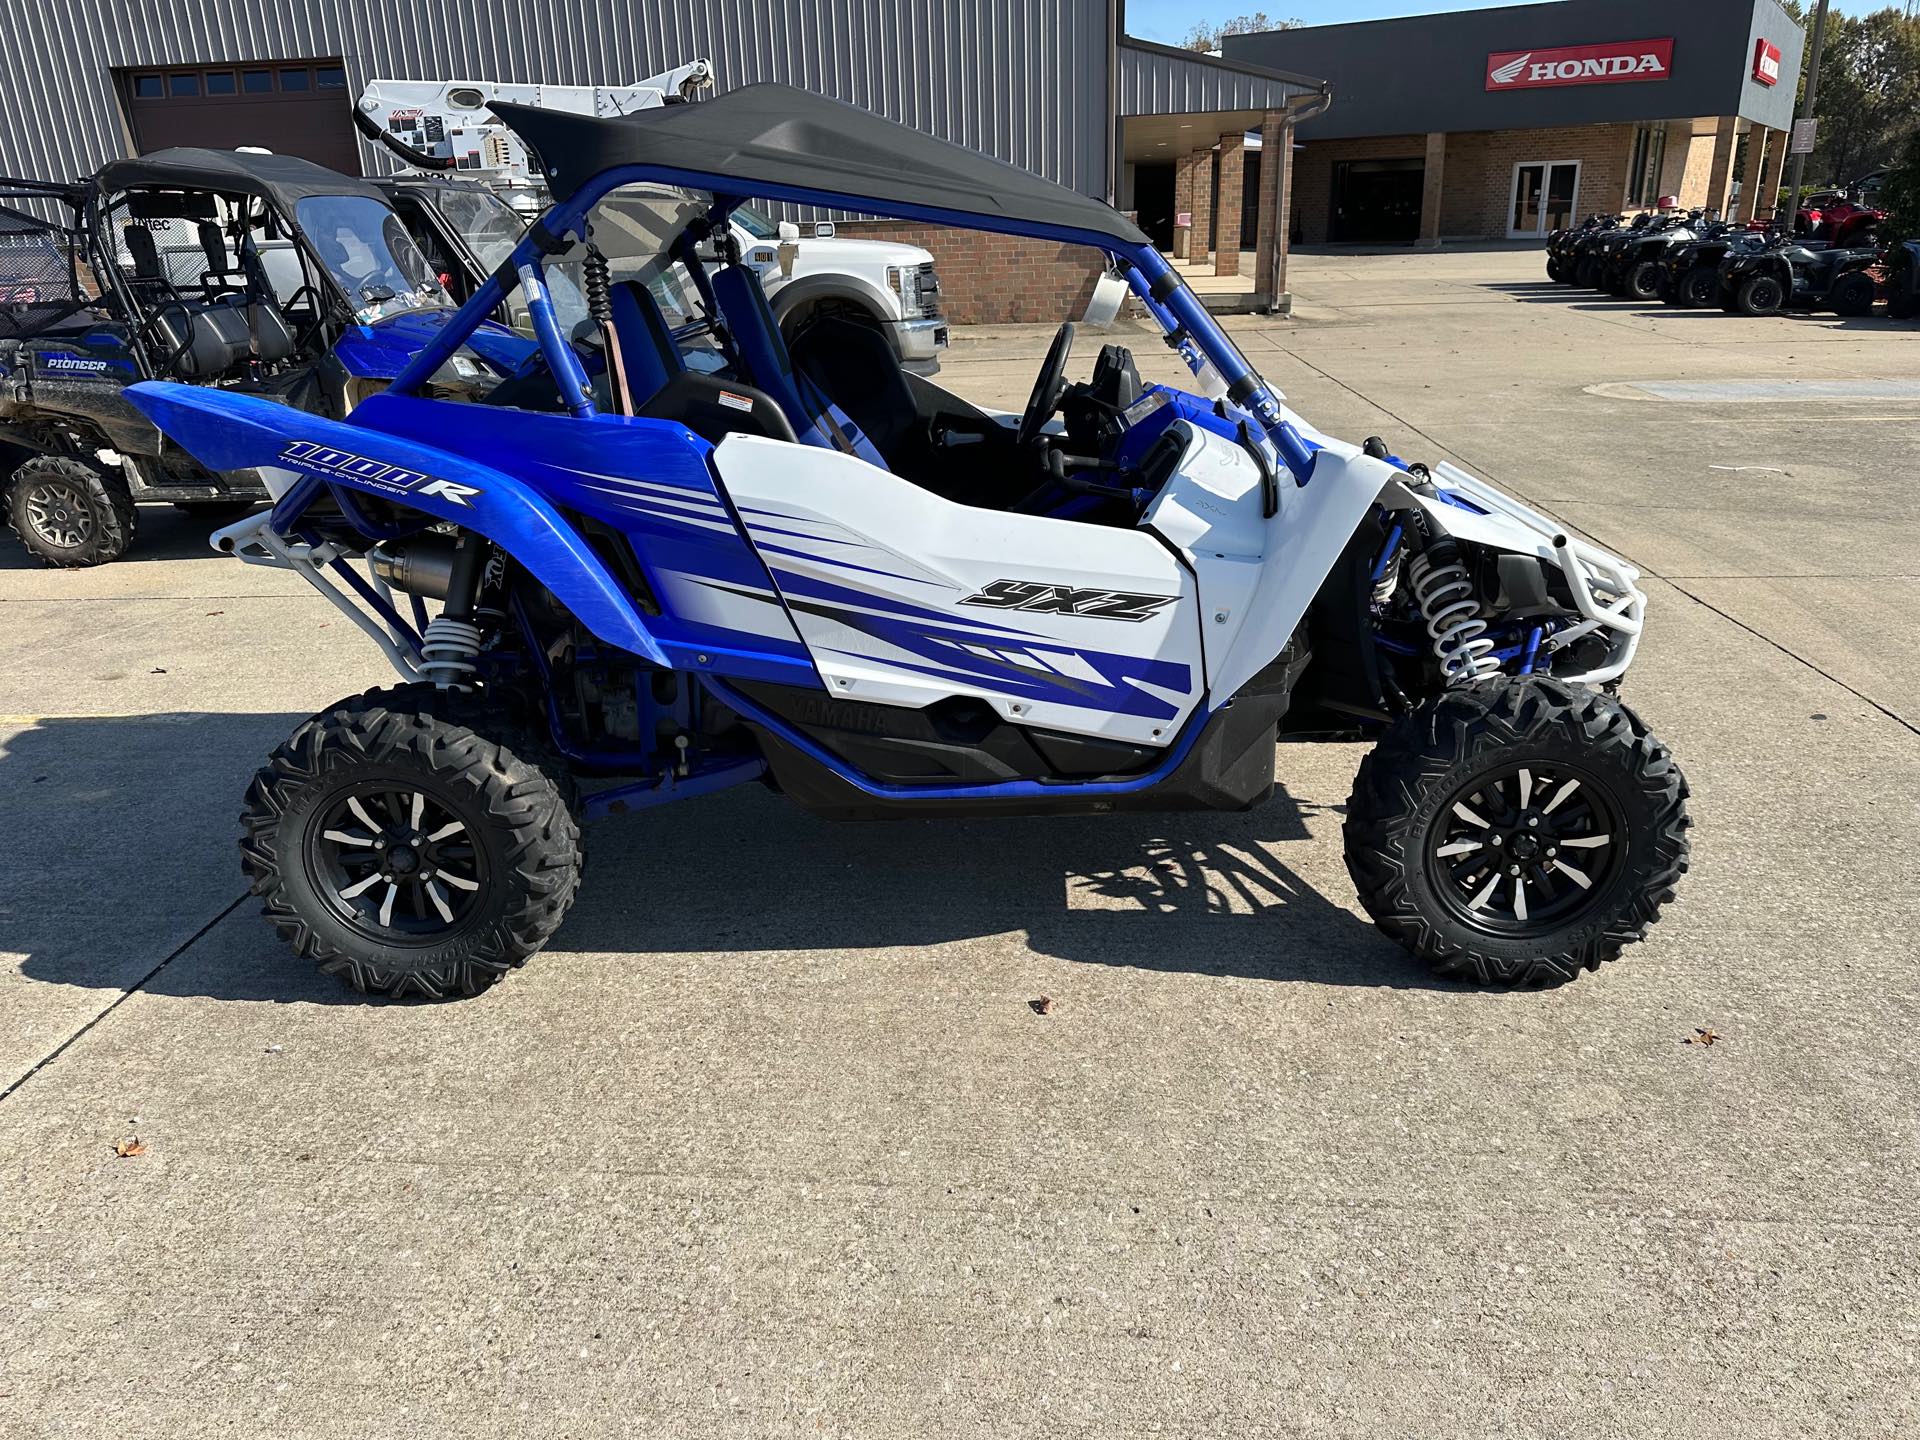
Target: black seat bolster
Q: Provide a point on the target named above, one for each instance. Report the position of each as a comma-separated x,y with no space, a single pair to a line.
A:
713,408
268,329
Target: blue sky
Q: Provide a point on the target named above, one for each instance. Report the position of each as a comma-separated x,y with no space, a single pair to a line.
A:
1169,20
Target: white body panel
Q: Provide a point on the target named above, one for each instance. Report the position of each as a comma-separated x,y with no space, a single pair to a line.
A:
1258,574
879,575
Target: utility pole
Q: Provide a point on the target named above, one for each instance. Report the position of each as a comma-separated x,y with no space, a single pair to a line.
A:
1789,212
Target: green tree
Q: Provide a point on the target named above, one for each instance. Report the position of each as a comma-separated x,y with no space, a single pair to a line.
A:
1869,97
1205,36
1901,197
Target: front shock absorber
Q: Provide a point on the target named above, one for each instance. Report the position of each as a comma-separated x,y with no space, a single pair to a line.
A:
1444,592
450,643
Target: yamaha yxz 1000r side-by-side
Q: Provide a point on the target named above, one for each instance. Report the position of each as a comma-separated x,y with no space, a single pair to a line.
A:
249,273
667,560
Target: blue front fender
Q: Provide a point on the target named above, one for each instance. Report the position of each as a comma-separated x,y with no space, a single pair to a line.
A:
225,431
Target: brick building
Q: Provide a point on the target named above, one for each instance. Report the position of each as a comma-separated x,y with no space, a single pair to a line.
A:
1505,123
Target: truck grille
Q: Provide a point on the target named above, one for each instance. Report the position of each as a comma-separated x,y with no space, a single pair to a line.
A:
927,288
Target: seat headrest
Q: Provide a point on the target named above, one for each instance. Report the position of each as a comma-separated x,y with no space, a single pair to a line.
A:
144,251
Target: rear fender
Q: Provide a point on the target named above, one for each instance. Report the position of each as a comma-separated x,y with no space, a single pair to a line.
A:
224,431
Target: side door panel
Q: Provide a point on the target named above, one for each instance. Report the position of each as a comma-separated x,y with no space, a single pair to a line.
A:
904,598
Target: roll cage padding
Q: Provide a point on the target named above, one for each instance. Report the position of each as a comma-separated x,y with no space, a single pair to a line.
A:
228,431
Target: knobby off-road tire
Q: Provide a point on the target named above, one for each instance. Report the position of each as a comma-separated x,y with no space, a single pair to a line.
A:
1586,273
493,833
68,514
1476,742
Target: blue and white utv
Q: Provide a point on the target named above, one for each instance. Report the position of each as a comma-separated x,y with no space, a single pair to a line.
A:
672,554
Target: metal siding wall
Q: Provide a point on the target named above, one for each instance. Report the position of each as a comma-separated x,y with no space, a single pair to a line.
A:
1155,84
1023,80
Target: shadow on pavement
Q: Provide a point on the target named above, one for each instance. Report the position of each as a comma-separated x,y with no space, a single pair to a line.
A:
132,827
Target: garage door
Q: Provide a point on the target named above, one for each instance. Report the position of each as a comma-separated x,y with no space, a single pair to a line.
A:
291,107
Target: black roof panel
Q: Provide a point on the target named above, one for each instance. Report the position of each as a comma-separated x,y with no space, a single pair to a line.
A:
778,135
281,178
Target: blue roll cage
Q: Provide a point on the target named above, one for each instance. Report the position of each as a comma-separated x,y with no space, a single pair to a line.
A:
1175,308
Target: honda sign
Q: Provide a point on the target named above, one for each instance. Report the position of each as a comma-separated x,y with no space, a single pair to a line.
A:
1766,62
1614,64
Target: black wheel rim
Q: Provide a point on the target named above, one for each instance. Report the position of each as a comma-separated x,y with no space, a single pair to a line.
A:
59,514
1527,848
395,863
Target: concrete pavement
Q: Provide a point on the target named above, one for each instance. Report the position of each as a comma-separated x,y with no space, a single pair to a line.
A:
770,1142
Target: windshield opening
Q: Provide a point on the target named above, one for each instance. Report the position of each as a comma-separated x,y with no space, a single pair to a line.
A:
371,257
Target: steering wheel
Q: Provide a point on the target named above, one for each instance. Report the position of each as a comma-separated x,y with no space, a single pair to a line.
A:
1048,388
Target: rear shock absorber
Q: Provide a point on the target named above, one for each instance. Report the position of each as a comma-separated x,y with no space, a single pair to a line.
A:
450,643
1444,592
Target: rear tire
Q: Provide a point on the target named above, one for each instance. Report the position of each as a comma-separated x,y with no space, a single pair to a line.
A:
1698,288
399,844
1761,295
1503,750
1854,295
68,514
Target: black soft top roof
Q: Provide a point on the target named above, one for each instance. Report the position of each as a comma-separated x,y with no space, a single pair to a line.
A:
283,179
778,135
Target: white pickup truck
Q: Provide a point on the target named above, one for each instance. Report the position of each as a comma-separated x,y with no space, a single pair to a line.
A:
470,187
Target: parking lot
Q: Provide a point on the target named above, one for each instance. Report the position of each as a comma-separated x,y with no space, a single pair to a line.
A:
772,1140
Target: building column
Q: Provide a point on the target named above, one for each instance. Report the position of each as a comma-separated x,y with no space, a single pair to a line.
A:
1226,225
1187,198
1766,194
1201,241
1720,178
1431,188
1275,212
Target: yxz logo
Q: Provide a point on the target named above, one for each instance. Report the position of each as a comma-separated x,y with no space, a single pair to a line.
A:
1037,597
345,465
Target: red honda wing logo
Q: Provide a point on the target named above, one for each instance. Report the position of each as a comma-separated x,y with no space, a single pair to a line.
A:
1766,63
1615,64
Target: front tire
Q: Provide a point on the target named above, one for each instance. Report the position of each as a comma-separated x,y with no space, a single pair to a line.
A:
1517,831
396,842
68,514
1586,274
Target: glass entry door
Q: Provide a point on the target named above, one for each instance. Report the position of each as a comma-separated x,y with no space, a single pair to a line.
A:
1544,195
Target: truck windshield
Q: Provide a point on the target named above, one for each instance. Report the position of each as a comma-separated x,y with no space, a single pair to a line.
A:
370,256
486,222
756,222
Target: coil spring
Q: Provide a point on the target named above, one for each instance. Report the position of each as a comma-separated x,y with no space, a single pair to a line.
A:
598,284
447,651
1444,592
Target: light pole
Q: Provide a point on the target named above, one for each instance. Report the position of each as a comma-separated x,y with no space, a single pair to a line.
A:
1790,212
